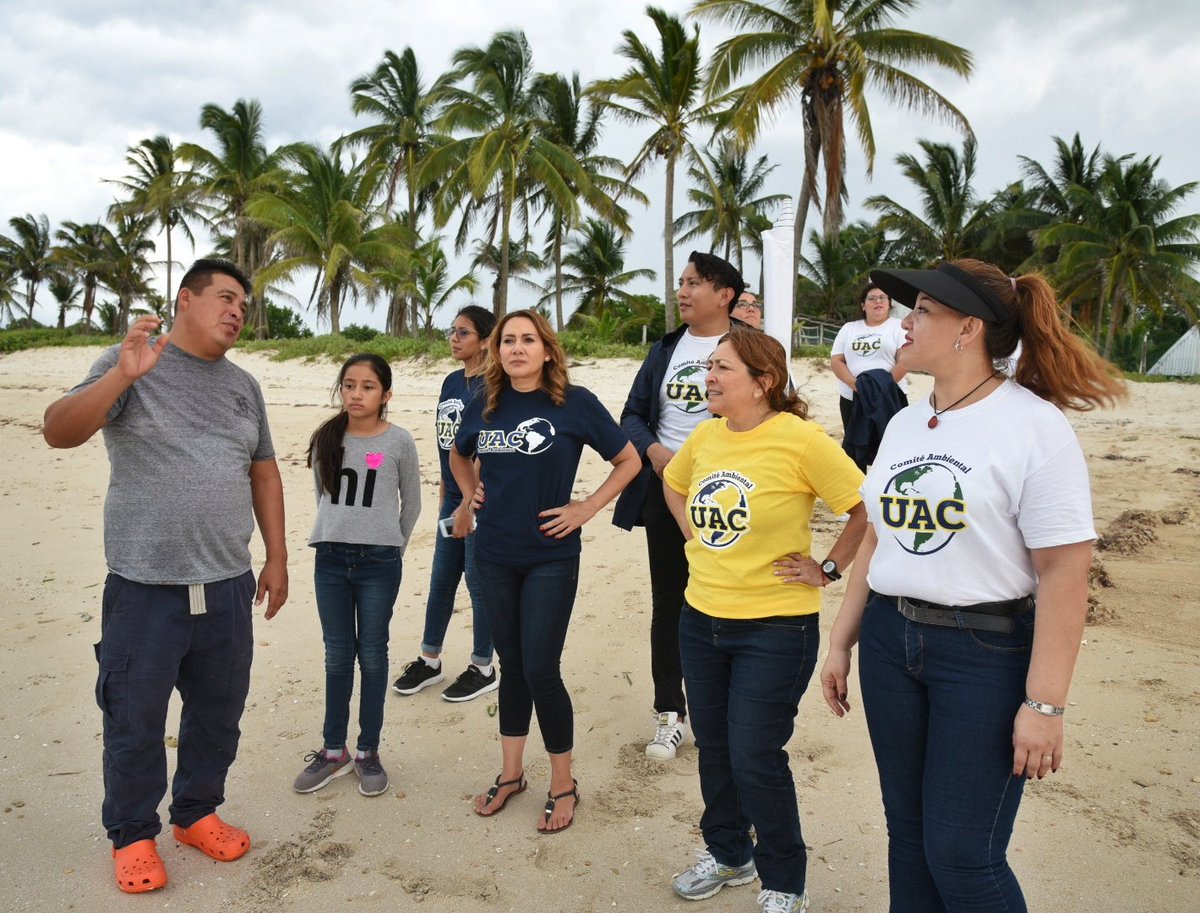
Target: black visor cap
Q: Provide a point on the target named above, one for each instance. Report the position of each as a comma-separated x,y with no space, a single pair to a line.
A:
947,285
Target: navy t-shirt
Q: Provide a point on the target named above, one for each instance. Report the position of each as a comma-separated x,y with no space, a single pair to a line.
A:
457,390
529,450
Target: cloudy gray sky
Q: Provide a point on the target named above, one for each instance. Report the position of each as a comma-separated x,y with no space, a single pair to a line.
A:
81,80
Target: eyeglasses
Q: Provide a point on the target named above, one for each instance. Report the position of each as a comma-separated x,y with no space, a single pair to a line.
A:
460,332
878,298
752,305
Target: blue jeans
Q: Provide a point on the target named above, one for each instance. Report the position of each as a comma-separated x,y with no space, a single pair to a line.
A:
744,681
356,587
451,558
530,608
150,645
940,704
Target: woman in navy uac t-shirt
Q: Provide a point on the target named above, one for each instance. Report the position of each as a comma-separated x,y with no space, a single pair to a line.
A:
527,429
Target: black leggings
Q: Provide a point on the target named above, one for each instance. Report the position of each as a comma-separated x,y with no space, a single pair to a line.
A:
668,580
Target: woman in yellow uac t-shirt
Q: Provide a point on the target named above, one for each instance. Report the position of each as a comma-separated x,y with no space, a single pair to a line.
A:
742,489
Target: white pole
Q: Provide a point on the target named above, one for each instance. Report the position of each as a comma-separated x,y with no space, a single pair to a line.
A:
777,277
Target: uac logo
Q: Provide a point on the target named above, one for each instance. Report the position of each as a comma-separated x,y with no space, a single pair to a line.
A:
866,346
720,509
531,437
685,389
449,417
350,477
923,506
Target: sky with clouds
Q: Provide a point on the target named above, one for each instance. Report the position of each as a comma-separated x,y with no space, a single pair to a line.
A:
81,80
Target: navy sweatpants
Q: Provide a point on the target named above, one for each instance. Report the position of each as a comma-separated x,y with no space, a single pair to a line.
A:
149,645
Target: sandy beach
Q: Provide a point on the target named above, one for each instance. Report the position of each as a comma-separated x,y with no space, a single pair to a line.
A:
1118,828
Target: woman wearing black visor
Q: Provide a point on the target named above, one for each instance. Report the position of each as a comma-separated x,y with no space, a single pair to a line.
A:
969,592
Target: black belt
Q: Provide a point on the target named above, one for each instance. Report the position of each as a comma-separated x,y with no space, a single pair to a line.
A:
986,616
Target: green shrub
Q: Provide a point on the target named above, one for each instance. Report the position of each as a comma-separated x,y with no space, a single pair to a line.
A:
359,333
19,340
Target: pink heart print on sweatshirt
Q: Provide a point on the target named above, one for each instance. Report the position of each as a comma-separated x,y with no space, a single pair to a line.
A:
374,460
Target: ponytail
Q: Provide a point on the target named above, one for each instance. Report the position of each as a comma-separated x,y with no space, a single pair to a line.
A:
325,447
1054,363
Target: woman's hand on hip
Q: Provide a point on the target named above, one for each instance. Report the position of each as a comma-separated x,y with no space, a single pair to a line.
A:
795,568
566,519
834,675
1037,743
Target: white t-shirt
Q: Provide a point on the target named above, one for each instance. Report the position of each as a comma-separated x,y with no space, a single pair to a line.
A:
866,348
683,398
958,507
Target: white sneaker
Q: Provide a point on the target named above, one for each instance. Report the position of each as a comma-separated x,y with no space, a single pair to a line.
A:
779,902
670,733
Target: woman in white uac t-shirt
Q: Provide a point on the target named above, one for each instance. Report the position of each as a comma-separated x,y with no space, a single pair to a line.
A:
863,345
969,592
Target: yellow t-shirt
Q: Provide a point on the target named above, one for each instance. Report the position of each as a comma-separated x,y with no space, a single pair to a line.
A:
749,499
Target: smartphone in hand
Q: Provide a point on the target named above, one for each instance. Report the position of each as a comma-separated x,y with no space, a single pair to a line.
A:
446,526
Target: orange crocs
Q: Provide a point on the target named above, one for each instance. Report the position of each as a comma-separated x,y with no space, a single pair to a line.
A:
213,837
139,868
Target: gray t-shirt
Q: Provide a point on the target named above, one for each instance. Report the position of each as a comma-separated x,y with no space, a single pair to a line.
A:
378,495
180,442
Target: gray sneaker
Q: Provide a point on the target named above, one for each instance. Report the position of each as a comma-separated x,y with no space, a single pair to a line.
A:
781,902
372,778
708,876
321,770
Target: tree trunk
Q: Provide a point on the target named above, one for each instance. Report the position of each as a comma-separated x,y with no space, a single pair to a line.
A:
669,309
502,277
89,297
558,308
170,312
802,205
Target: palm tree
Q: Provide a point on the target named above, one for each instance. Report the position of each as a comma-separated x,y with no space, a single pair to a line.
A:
662,89
726,199
81,248
8,291
953,222
64,288
429,280
572,121
324,219
1056,189
596,264
521,258
240,169
404,111
831,279
1129,247
28,253
125,268
159,189
501,150
825,54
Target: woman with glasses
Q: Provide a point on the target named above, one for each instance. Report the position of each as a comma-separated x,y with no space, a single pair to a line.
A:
452,557
863,345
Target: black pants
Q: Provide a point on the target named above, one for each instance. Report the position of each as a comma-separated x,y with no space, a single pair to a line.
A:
150,645
668,580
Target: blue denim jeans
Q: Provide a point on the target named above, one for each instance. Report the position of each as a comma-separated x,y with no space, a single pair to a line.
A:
744,681
451,559
940,704
150,645
530,608
356,588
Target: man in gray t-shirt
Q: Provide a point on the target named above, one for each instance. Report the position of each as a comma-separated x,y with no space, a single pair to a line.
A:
192,466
